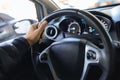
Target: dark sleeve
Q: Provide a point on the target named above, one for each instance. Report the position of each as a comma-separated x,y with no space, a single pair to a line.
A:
12,53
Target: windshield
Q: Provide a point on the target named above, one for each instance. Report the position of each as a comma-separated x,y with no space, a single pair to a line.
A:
84,4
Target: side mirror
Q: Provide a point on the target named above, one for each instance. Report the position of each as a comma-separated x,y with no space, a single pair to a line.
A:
21,27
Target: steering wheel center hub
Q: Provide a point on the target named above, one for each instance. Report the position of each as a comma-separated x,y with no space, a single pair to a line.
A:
67,58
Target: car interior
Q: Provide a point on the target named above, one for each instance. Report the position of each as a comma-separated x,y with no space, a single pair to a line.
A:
79,44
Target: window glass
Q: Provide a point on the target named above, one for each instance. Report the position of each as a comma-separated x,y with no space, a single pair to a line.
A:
19,9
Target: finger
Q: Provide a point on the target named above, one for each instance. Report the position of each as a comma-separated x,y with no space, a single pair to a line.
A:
40,30
42,25
40,40
41,37
34,26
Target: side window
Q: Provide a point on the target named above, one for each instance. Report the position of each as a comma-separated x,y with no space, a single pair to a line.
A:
18,9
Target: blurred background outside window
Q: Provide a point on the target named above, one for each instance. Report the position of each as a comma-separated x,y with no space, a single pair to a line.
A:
19,9
84,4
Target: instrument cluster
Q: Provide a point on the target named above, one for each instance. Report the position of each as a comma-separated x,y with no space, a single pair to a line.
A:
80,26
74,26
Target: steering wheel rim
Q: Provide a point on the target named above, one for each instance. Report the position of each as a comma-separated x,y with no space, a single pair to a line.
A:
108,56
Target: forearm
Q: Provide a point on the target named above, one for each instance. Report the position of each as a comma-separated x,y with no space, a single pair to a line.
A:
11,54
22,46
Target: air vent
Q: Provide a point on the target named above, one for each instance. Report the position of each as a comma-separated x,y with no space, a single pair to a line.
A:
51,32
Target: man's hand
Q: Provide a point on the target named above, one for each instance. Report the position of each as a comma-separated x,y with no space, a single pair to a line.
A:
35,32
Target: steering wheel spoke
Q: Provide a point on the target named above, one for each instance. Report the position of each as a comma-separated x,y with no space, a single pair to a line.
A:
52,69
92,57
43,57
92,54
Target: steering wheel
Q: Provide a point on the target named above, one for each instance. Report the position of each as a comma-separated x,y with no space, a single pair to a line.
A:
75,58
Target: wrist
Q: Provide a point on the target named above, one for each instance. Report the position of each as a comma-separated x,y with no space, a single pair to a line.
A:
29,41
